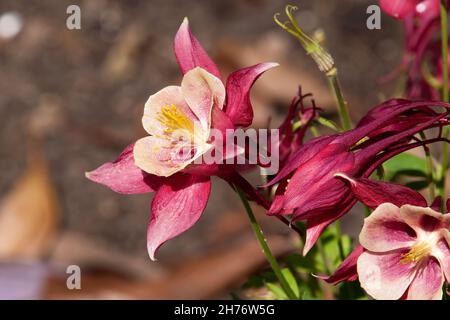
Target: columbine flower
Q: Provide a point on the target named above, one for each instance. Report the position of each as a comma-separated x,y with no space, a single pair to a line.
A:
421,20
407,252
404,249
315,195
178,120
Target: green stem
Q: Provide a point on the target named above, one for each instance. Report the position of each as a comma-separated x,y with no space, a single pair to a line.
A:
321,57
326,262
344,115
339,235
315,131
445,94
266,250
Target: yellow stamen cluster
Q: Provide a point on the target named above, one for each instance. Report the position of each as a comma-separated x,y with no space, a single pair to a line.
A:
175,119
417,253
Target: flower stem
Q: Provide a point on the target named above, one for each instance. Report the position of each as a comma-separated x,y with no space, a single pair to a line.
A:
339,242
321,57
325,261
445,94
344,115
266,250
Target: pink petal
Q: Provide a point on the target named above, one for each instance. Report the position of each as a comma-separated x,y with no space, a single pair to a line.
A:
156,156
189,52
221,121
313,185
383,276
123,176
428,8
167,97
347,270
437,203
423,220
202,91
442,253
239,83
175,208
427,284
373,193
322,219
399,8
386,229
305,153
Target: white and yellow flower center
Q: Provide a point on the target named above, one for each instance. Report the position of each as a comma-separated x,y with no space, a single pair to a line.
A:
417,253
175,119
179,128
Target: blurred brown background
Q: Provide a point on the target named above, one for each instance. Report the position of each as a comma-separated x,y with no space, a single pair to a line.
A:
71,100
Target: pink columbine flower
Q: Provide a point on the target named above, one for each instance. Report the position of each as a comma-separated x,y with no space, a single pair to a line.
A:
407,252
404,249
308,189
421,20
178,120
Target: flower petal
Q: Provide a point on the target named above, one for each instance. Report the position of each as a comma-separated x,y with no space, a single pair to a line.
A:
239,83
423,220
305,153
399,9
123,176
167,97
175,208
386,229
202,91
313,185
347,270
155,156
427,284
373,193
323,218
442,253
383,276
428,8
437,203
189,52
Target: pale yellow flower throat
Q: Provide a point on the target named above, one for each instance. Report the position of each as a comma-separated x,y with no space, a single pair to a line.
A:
175,119
417,253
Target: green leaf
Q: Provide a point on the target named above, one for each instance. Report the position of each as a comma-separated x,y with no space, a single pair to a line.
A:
292,282
418,185
276,291
405,164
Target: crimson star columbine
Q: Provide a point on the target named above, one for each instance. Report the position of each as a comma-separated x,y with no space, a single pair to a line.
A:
178,120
